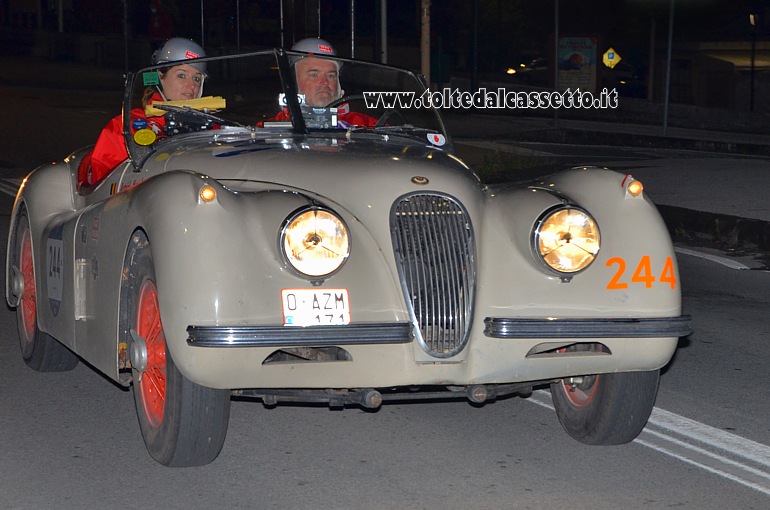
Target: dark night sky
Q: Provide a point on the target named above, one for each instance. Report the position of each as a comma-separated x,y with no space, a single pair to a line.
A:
509,31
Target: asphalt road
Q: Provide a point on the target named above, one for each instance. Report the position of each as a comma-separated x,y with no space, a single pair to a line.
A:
71,440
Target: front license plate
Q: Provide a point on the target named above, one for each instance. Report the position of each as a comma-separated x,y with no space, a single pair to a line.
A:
315,307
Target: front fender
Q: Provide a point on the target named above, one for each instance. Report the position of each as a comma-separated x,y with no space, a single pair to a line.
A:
219,263
635,272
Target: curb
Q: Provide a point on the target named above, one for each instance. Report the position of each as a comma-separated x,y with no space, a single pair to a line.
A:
732,234
721,231
699,228
580,137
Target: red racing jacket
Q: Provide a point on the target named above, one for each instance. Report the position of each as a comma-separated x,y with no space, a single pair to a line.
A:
110,149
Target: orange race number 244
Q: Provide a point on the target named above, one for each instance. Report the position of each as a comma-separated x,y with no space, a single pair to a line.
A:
643,273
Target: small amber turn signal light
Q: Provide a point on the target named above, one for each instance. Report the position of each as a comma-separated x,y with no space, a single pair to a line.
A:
208,193
635,188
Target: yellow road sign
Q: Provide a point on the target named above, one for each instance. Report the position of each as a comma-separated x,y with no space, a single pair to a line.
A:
610,58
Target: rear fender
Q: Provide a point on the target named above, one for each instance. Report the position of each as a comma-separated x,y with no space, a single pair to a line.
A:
43,194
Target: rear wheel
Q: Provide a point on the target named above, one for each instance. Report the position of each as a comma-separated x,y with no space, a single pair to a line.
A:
182,423
40,351
605,409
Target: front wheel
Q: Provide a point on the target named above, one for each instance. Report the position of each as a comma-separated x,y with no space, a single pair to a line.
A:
39,350
183,424
605,409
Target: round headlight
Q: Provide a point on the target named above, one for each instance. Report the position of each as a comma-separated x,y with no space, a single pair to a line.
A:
566,239
315,241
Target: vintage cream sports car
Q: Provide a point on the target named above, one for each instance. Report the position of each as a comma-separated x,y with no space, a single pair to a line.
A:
314,260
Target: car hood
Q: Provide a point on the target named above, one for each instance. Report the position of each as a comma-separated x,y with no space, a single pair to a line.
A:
327,166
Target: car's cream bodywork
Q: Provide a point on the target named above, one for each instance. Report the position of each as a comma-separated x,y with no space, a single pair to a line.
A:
218,264
184,271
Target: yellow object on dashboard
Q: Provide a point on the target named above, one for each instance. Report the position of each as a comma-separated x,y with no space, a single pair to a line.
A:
201,103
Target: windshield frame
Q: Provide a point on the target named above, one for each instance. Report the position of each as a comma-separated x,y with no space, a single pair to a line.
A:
138,154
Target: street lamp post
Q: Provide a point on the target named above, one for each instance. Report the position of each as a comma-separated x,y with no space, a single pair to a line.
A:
425,39
668,67
753,21
555,64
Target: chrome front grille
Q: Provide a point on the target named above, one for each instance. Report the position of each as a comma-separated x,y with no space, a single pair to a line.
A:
435,254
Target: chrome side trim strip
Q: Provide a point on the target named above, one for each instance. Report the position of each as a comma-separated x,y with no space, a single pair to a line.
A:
294,336
652,327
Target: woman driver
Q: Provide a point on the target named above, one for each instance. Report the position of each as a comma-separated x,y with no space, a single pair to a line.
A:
176,83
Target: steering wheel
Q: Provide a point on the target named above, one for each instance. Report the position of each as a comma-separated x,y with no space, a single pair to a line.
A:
388,113
183,119
344,99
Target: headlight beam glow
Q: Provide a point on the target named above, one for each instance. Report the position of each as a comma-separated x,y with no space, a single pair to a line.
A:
566,240
315,241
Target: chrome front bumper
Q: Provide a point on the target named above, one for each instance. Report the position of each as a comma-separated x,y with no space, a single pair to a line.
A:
403,332
294,336
653,327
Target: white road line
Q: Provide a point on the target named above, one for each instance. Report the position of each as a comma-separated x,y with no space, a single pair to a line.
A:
10,186
732,264
718,452
703,457
697,431
758,487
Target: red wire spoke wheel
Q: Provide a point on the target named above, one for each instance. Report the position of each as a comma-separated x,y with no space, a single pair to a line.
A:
604,409
581,394
183,423
39,350
28,304
153,382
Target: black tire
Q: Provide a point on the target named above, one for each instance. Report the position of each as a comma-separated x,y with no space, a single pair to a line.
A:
39,350
183,424
606,409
